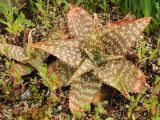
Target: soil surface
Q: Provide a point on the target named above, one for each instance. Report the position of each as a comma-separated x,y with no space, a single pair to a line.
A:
33,100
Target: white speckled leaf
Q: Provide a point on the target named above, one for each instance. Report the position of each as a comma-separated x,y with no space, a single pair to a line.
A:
119,41
80,23
83,90
86,66
122,75
12,51
116,24
66,50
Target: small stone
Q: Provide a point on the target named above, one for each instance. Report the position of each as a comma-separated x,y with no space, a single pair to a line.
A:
154,67
127,106
60,108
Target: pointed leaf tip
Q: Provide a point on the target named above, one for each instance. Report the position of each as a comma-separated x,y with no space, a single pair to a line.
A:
15,52
71,7
122,75
122,38
74,10
80,23
147,20
66,50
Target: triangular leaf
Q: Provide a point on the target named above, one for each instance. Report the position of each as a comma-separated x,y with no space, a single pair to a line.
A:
80,23
119,41
14,52
122,75
66,50
86,66
82,92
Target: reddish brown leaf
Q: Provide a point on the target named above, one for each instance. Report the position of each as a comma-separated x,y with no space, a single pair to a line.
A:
82,92
114,25
86,66
122,75
119,41
66,50
80,23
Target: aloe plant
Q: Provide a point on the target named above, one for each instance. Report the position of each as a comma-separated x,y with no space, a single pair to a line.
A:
98,56
89,56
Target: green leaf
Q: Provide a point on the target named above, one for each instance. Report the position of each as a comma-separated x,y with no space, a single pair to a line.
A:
21,68
43,71
62,71
37,58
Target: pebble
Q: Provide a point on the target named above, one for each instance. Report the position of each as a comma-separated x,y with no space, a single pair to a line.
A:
60,108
